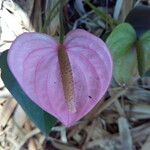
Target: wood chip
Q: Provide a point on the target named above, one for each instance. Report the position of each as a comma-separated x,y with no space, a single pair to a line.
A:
19,116
31,143
7,111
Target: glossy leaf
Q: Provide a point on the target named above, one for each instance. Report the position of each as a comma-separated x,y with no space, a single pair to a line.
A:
35,61
143,53
121,43
42,119
139,18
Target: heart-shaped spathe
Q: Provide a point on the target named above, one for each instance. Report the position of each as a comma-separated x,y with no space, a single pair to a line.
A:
33,60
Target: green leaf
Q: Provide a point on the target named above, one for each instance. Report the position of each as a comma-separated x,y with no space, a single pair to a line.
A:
142,24
143,53
121,42
42,119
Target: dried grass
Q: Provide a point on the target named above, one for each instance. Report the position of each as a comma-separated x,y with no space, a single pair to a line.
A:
121,122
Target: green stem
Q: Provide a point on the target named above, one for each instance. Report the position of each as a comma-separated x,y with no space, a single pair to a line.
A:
61,36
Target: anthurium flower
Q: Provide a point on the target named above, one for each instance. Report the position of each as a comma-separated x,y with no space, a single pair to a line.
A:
65,80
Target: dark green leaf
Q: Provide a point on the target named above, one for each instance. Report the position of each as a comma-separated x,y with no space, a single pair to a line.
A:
105,35
143,53
139,18
121,42
41,118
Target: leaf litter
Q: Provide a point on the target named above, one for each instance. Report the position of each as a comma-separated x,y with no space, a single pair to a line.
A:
121,122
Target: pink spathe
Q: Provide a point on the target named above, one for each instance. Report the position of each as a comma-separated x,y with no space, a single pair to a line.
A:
33,60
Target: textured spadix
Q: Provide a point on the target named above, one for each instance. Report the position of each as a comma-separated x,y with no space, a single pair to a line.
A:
33,59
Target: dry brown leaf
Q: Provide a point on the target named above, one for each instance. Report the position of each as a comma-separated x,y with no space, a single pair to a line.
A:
36,17
14,21
53,27
127,6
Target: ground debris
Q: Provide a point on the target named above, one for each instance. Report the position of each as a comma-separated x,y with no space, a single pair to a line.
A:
120,122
